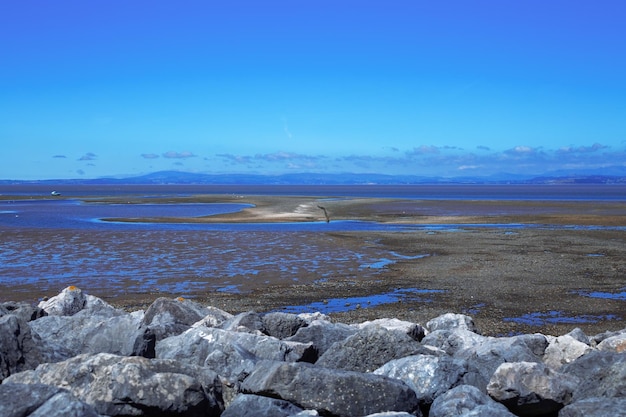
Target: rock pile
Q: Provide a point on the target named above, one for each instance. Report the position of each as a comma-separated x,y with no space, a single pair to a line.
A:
75,355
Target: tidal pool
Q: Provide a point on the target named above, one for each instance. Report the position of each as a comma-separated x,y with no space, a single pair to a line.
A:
114,262
558,317
339,305
621,295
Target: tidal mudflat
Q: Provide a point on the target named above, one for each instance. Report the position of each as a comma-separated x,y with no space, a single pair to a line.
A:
515,266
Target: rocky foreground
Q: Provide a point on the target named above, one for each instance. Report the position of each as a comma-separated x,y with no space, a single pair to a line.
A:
75,355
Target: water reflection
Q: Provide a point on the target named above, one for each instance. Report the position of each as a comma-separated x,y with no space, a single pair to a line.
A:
178,261
621,295
383,262
89,216
338,305
558,317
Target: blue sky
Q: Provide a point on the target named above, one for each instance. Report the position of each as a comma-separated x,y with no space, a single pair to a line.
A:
447,88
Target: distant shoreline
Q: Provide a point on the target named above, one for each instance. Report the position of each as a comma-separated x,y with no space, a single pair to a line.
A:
607,175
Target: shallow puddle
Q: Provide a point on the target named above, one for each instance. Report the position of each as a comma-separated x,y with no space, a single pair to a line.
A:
558,317
383,262
621,295
339,305
475,309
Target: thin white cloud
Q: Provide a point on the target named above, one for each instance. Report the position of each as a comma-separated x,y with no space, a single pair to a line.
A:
582,149
275,157
59,156
521,150
286,128
442,160
524,152
179,155
236,159
89,156
468,167
424,150
283,156
301,166
149,155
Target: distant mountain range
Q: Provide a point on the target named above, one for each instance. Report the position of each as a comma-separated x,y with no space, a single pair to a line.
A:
617,176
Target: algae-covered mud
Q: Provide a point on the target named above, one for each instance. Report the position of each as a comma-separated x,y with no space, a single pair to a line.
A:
520,265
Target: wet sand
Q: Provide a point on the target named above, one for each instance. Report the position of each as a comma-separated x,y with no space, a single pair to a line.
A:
510,279
306,208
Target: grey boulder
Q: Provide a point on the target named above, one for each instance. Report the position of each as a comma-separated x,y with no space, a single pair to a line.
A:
231,354
483,359
172,316
595,407
369,349
453,341
19,350
38,400
247,322
323,334
282,325
116,385
428,375
467,401
21,309
616,343
601,374
413,330
530,388
451,321
72,300
214,318
579,335
67,336
597,339
247,405
563,350
329,391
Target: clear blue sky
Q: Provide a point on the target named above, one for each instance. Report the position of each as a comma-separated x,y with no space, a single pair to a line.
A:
106,88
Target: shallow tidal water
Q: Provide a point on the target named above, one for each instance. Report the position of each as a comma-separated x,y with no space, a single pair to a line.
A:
50,244
176,262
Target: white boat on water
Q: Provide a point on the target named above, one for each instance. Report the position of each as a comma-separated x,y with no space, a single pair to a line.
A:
55,193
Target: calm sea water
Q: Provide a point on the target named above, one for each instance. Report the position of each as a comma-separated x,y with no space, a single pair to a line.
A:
34,208
48,244
572,192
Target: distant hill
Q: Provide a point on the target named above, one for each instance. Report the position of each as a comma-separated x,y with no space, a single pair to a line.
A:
181,177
